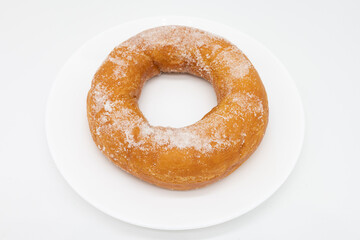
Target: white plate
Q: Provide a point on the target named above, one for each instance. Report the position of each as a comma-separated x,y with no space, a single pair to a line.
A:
126,198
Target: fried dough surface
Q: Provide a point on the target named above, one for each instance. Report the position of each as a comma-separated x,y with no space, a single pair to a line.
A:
177,158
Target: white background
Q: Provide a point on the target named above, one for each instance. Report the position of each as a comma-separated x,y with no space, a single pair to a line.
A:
318,42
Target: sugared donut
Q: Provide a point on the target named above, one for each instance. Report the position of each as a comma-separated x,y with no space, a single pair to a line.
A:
177,158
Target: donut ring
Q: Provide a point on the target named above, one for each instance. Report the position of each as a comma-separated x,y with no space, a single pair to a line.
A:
177,158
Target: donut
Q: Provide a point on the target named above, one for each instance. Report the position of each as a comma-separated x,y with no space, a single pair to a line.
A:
177,158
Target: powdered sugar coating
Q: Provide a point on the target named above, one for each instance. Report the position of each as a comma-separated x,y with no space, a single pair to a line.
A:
188,44
197,136
193,51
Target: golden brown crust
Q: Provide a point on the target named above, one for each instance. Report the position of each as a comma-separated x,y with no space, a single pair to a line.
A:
177,158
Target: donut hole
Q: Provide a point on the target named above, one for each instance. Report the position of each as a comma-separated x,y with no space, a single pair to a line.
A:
176,100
